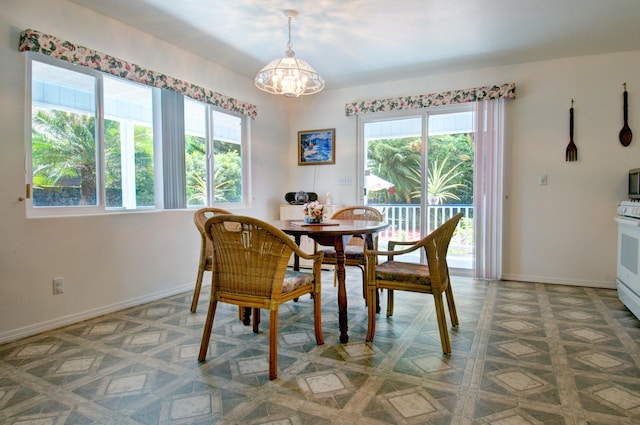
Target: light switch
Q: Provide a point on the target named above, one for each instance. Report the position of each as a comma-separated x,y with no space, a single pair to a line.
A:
542,180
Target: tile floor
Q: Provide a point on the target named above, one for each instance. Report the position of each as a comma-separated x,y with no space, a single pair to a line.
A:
523,354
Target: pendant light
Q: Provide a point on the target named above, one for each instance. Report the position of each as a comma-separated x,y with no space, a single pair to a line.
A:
289,75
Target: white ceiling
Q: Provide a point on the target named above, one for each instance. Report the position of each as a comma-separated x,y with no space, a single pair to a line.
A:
352,42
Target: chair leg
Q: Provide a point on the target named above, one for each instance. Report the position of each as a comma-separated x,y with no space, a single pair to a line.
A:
442,324
241,313
196,291
364,285
317,318
452,306
256,319
206,335
245,315
273,344
389,302
371,309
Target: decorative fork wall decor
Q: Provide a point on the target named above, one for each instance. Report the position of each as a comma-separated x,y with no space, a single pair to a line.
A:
572,149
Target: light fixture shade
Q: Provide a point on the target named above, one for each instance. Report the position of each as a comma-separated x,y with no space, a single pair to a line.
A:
289,75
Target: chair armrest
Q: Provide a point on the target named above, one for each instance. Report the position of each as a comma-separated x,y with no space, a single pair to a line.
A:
317,255
391,253
392,244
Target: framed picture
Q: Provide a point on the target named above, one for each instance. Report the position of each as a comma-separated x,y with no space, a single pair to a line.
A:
317,147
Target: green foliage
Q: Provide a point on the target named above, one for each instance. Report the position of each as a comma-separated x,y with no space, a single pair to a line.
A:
144,166
227,176
441,180
459,149
64,155
450,170
394,160
64,152
196,169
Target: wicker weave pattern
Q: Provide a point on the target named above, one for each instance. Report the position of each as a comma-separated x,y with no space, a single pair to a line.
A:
206,250
397,276
251,252
249,268
358,212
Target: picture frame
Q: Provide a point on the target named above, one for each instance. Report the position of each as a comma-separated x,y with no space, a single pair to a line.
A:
317,147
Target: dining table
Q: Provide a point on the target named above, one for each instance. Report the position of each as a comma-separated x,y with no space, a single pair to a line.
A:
336,233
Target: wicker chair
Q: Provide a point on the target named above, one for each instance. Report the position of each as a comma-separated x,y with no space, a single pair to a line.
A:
354,250
432,278
199,218
249,269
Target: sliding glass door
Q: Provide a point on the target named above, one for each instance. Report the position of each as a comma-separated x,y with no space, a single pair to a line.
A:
418,170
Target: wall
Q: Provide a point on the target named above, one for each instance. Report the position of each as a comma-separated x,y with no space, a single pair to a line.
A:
116,260
560,233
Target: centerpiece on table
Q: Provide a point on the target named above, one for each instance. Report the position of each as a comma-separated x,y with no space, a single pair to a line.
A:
313,212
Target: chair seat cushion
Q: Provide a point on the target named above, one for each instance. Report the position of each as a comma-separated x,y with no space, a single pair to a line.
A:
404,272
351,252
294,280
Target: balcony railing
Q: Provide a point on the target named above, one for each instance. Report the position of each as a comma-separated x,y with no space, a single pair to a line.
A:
405,225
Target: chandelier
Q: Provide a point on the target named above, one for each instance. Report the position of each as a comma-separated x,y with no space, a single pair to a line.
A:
289,75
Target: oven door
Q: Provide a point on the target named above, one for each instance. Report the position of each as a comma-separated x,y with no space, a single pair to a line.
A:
628,267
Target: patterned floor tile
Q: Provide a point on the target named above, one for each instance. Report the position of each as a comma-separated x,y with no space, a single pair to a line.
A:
524,353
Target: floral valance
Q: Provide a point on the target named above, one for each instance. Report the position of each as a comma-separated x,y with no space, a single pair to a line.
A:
505,91
34,41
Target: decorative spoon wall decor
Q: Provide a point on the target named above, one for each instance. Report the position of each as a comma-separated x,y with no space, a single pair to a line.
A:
625,133
572,149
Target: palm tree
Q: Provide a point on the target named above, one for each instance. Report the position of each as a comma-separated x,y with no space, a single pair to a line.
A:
440,181
64,154
396,160
64,147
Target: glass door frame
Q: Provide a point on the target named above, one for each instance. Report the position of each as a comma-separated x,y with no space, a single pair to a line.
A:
424,114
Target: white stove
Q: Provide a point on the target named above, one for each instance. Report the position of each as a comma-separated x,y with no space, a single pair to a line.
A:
628,267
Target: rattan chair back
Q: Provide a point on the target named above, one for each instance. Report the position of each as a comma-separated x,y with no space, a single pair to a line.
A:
358,212
204,263
249,269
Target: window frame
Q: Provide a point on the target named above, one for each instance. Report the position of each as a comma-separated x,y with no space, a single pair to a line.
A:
161,167
209,111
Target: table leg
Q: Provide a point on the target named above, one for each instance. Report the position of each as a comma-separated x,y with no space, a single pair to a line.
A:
296,258
342,290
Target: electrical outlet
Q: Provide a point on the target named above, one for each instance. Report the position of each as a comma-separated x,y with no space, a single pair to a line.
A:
542,180
58,285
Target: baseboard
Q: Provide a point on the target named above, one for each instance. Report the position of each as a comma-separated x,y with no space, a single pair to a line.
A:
560,281
34,329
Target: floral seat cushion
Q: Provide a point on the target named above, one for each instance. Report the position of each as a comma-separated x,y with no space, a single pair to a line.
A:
404,272
351,252
294,280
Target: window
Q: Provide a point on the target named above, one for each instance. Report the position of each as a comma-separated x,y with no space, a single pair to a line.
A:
213,155
64,141
128,144
93,145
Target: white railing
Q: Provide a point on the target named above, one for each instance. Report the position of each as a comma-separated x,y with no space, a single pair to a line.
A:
405,224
